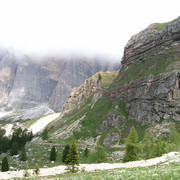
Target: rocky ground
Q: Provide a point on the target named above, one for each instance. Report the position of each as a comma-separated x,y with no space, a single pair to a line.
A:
166,159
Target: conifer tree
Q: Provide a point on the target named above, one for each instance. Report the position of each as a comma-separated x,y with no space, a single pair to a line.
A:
23,156
5,165
65,153
72,158
14,148
53,154
131,146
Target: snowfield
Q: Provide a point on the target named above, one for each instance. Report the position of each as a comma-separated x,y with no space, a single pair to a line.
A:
166,158
42,123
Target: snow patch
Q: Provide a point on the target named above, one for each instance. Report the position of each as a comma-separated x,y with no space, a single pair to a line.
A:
43,122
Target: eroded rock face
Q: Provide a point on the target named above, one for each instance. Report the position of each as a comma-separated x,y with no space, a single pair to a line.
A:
153,98
90,87
111,120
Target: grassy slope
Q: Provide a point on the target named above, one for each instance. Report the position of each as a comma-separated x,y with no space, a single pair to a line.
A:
93,117
160,26
153,64
106,77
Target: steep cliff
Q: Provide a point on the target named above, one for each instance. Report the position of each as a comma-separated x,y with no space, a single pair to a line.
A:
145,94
32,87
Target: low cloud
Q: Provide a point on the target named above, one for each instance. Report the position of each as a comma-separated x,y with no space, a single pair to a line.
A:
90,28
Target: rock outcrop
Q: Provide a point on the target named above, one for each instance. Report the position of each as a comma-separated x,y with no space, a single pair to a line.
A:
155,36
91,87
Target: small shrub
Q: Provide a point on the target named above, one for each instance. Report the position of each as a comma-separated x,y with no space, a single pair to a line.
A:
26,173
36,169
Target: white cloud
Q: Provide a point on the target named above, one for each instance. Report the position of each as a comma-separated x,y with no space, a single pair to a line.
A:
87,26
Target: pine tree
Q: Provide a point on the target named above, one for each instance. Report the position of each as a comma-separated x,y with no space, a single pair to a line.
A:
65,153
14,148
131,146
72,158
53,154
23,156
5,165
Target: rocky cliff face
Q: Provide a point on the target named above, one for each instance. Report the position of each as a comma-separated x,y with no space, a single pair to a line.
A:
145,94
42,85
148,82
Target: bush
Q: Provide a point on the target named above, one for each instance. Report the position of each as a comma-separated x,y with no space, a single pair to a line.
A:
5,165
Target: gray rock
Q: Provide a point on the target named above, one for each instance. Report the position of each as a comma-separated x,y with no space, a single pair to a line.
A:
111,139
150,99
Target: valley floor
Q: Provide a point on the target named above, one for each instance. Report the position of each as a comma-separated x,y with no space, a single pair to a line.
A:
45,172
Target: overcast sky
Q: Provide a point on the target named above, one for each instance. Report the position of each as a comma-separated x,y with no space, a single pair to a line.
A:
79,26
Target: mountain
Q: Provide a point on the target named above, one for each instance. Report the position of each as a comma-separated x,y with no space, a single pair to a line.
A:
31,86
145,94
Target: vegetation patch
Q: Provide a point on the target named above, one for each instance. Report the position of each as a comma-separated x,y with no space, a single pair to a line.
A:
160,26
93,119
